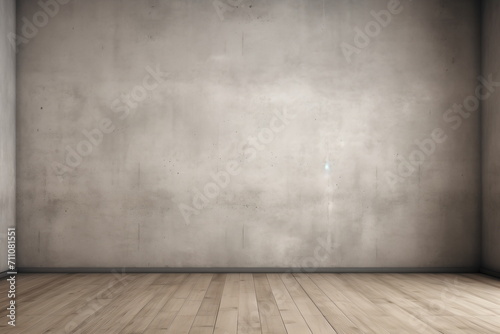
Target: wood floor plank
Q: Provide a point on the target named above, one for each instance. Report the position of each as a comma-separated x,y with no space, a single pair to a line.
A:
292,317
168,312
227,318
432,312
185,317
255,303
113,316
166,315
162,293
392,303
248,316
270,317
207,314
350,302
336,318
69,307
313,316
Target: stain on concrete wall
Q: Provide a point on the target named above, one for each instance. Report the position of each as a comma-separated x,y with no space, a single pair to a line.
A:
491,140
249,134
7,126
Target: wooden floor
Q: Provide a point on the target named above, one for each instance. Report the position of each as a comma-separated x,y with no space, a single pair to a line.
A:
254,303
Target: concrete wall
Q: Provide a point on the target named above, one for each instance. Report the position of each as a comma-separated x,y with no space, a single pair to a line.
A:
129,109
7,127
491,139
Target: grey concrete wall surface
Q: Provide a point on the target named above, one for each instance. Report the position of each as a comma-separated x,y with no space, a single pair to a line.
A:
7,126
248,133
491,139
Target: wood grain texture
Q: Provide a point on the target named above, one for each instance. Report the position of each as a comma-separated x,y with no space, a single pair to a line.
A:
298,303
